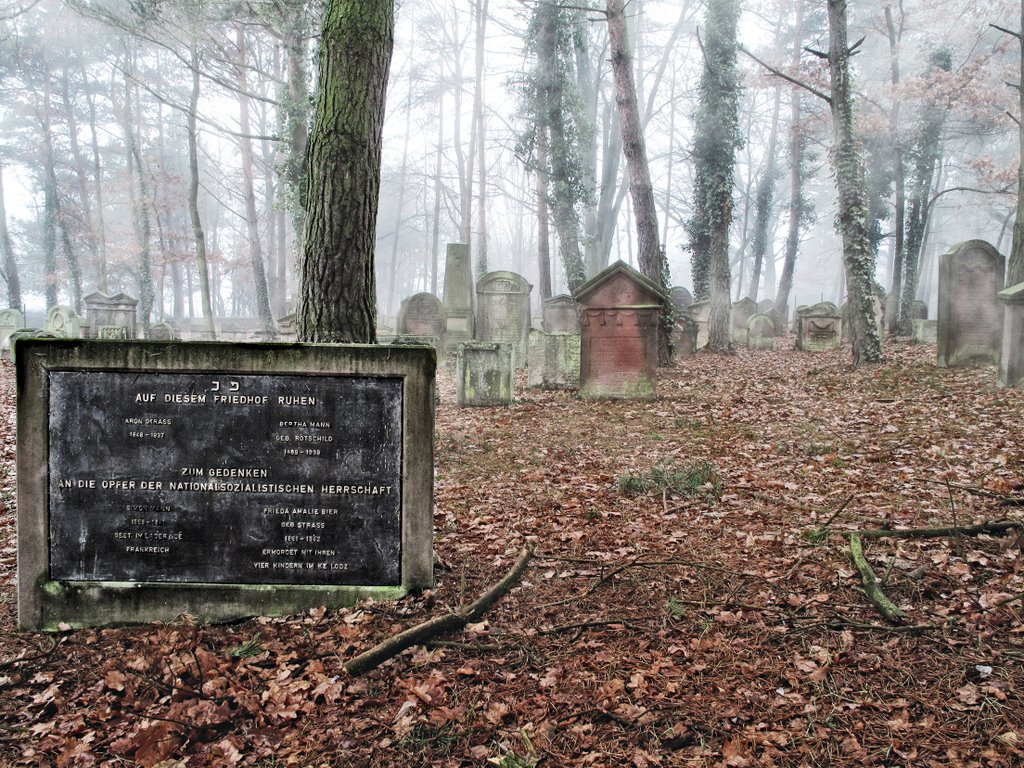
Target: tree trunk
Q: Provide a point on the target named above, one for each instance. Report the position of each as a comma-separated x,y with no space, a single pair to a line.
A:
543,229
296,112
199,236
796,196
650,256
892,311
338,287
1015,265
252,219
764,198
435,236
481,155
858,256
10,265
101,237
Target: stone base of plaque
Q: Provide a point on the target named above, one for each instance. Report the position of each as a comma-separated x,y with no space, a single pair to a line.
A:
219,481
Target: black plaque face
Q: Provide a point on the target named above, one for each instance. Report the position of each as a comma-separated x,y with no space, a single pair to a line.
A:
218,478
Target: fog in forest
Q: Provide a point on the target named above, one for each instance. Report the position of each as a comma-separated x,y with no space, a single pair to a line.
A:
140,139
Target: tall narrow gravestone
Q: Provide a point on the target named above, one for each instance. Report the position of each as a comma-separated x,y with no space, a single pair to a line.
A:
970,321
457,296
219,480
621,312
1011,359
503,312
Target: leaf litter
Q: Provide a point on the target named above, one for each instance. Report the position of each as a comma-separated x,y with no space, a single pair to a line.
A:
704,613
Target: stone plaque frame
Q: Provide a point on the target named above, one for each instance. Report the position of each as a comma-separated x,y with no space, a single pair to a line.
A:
46,603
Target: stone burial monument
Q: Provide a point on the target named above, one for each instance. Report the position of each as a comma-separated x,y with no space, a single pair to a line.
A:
219,480
621,311
1011,359
969,330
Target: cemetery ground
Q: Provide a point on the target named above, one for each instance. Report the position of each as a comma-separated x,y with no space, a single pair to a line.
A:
691,602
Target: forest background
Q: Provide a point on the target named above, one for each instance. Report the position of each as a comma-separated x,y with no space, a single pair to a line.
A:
143,140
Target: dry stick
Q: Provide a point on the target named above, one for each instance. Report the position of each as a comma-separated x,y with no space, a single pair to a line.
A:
590,625
439,625
999,526
1006,501
881,601
956,523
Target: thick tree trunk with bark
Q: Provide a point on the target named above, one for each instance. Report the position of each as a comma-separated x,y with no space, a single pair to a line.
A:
650,256
892,311
338,288
858,255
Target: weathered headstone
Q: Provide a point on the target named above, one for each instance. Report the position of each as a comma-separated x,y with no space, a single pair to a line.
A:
700,313
681,299
117,310
458,296
64,323
1011,359
764,306
621,311
761,332
819,327
740,313
422,314
919,310
483,374
925,331
10,321
163,331
684,335
561,315
286,327
113,332
970,322
219,480
503,312
554,360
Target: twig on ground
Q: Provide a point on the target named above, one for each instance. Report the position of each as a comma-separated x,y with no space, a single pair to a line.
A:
439,625
879,599
591,625
1003,499
37,657
997,527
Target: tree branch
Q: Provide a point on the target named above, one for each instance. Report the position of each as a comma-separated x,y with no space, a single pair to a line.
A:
1007,31
779,73
881,601
439,625
998,527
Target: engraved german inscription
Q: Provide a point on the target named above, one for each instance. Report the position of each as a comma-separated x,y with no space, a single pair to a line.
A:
185,477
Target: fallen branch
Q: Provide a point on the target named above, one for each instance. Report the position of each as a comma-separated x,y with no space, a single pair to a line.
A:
591,625
881,601
1004,500
997,527
440,625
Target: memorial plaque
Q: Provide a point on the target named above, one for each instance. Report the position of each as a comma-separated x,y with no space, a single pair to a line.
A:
218,480
225,479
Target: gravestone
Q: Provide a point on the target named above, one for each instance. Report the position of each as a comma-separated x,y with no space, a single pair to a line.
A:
113,332
1011,358
684,335
554,360
970,321
561,315
761,332
219,480
764,306
681,299
919,310
64,323
819,327
117,310
10,321
503,312
422,314
286,327
483,374
700,313
925,331
164,331
457,296
739,314
621,311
